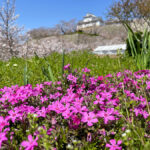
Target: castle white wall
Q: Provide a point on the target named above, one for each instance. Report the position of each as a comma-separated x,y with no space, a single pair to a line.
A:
87,20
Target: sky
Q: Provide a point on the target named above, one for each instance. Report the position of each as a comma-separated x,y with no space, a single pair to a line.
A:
48,13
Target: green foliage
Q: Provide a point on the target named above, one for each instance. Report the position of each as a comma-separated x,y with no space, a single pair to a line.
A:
138,45
63,62
50,68
26,74
48,72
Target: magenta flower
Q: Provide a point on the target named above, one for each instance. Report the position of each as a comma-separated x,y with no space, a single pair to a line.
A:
79,109
13,115
5,97
42,112
100,78
3,123
57,107
30,144
66,114
72,78
145,114
137,111
114,145
148,85
2,138
76,120
93,80
90,118
119,74
43,99
106,95
86,70
100,100
106,115
67,67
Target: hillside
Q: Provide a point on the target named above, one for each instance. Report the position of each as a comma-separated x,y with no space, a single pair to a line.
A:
107,35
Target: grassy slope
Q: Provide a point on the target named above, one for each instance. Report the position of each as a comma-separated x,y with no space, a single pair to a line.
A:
12,75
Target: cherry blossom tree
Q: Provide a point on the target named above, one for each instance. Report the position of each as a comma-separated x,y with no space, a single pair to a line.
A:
10,33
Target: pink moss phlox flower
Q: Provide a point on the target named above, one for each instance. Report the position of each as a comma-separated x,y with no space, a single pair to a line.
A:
106,95
56,106
119,74
137,111
53,121
93,80
5,97
43,99
30,144
72,78
39,86
142,99
78,100
38,90
2,138
147,85
114,145
89,118
69,99
57,95
59,82
113,102
67,67
113,90
59,88
148,75
3,122
79,91
140,111
86,70
84,77
83,86
51,96
76,120
49,131
109,76
13,115
48,83
145,114
102,132
67,114
42,112
70,90
79,109
99,100
106,115
100,78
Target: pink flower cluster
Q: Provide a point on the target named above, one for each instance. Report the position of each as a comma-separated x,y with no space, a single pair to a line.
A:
83,104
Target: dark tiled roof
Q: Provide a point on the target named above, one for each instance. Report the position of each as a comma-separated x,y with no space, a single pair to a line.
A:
89,16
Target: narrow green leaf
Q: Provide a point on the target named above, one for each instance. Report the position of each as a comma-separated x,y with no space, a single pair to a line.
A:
25,74
51,73
63,62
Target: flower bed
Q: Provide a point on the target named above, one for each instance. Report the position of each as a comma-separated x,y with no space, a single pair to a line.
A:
79,112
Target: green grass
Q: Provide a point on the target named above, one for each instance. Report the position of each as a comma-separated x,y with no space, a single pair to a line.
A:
12,75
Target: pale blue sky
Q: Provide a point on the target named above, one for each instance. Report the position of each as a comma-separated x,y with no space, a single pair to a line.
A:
47,13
